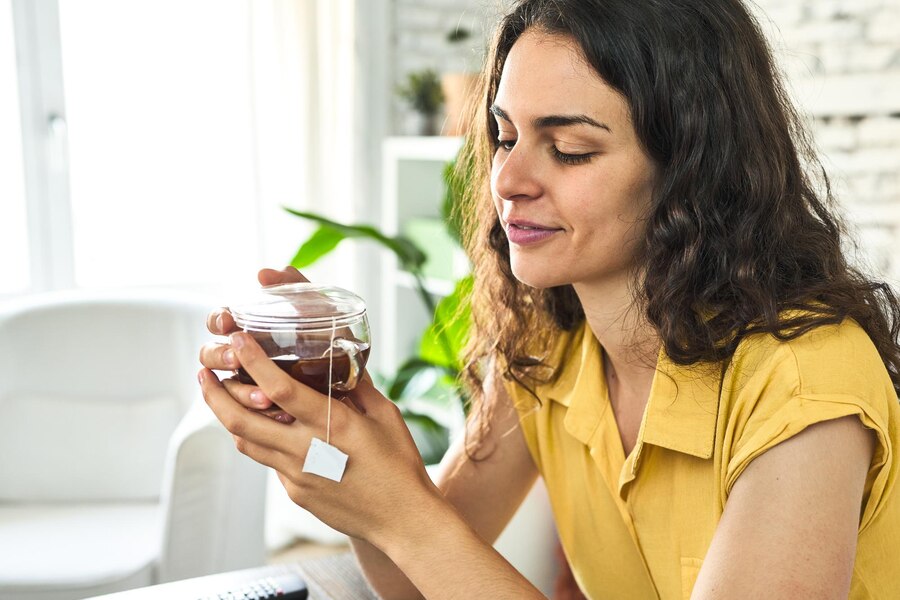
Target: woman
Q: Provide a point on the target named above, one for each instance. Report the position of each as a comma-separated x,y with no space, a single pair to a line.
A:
680,350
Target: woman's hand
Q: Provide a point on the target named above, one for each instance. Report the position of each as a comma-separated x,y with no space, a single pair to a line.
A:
221,357
385,477
385,480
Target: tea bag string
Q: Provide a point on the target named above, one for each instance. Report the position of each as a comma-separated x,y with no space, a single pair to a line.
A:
322,458
330,370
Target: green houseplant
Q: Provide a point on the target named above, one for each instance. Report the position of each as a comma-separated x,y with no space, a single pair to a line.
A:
422,90
430,377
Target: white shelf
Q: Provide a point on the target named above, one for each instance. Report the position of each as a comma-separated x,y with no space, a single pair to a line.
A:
439,148
435,287
413,188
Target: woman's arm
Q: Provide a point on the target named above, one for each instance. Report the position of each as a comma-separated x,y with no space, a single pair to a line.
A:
485,493
790,524
385,496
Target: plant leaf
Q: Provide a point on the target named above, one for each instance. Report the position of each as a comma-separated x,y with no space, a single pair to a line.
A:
322,241
409,255
406,373
431,438
452,318
457,179
422,89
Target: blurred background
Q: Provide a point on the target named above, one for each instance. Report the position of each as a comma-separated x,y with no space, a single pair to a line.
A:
153,143
156,145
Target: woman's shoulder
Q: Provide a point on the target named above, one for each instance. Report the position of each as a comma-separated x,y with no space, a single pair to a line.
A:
775,389
829,359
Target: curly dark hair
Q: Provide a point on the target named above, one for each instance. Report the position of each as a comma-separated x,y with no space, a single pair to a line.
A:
741,235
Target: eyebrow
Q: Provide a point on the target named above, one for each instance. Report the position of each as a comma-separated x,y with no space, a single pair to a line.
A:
554,120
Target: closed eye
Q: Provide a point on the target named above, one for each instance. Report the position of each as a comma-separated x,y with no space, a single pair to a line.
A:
572,159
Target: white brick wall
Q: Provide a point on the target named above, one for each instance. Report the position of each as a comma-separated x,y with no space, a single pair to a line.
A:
841,57
420,41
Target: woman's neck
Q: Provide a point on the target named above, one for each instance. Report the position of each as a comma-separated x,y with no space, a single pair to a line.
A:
630,344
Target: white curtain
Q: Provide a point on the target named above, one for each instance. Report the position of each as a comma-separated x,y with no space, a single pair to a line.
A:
303,71
303,81
187,123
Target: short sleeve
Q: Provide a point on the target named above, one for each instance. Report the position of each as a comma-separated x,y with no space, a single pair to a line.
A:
826,374
798,413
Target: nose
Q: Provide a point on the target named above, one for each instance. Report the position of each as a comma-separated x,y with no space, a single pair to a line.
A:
515,174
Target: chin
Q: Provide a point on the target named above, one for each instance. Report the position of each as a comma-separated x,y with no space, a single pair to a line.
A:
536,277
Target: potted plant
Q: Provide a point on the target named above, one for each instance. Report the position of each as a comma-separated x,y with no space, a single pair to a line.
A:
422,90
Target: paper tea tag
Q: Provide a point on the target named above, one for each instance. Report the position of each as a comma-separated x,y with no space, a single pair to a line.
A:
325,460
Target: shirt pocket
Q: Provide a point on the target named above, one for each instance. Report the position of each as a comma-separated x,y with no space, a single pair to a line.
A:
690,568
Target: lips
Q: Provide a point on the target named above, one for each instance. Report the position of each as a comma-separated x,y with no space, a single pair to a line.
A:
525,233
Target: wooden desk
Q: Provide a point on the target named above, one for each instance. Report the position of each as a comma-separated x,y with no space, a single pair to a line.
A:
335,577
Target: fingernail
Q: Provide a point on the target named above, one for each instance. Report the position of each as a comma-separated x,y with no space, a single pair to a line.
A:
220,323
284,418
228,357
200,377
237,341
258,398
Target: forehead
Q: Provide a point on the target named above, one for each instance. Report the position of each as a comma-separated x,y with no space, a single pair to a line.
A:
548,74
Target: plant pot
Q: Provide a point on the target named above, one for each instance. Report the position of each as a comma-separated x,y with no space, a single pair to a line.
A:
457,88
417,123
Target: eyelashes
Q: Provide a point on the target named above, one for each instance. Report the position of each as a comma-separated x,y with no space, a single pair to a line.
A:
562,157
572,159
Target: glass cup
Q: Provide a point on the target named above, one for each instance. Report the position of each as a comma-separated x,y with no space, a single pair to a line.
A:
318,334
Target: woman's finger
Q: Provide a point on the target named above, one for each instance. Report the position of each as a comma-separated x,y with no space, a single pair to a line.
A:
368,400
220,322
239,421
351,404
264,455
286,275
301,401
249,395
288,466
255,399
218,357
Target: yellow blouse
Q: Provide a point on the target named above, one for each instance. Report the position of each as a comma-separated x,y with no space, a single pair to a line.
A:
639,526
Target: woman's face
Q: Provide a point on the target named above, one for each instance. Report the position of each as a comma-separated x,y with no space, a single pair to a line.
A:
570,181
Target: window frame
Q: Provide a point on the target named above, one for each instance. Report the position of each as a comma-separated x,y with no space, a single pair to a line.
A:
45,156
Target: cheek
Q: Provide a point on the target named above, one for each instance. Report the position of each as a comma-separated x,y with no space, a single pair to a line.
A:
498,205
619,206
606,224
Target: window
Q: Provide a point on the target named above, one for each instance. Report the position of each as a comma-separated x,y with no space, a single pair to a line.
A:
161,143
14,260
161,138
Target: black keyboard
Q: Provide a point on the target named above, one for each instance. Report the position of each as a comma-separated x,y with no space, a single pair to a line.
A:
287,586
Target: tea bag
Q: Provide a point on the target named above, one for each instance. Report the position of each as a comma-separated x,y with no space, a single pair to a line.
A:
325,460
322,458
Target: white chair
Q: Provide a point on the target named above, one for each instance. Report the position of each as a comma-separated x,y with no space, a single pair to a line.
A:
113,472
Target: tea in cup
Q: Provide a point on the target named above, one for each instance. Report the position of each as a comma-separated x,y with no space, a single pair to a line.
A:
318,334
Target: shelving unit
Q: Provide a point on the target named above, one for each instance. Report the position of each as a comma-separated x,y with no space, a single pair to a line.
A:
413,188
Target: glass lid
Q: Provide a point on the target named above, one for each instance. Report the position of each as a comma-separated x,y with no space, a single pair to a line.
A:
298,305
